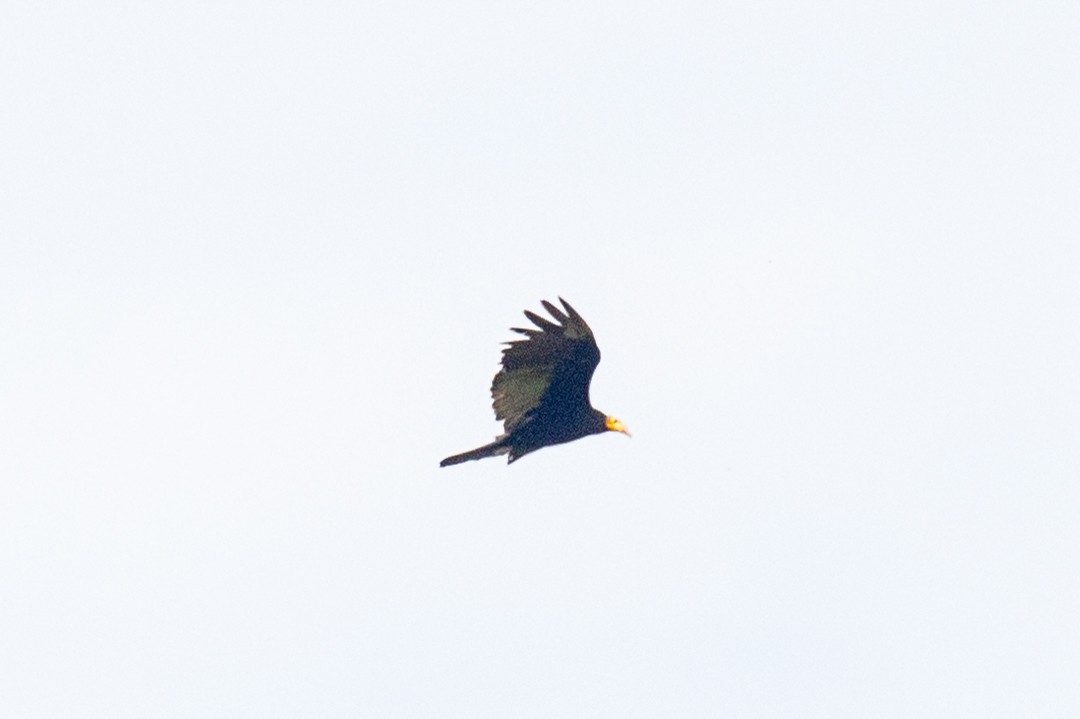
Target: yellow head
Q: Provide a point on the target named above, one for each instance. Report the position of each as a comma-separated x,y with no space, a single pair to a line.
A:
615,425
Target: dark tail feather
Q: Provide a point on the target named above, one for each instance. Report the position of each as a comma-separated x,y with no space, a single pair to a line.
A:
488,450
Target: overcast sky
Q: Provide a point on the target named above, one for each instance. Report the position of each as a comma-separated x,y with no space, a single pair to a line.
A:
256,260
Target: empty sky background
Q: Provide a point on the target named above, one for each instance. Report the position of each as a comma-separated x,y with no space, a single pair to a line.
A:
256,260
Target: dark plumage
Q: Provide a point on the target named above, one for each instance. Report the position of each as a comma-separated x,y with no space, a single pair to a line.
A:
541,394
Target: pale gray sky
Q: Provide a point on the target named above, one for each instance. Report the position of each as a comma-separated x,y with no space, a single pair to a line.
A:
255,264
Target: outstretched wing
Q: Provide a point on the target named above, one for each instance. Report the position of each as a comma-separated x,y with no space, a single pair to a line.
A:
552,367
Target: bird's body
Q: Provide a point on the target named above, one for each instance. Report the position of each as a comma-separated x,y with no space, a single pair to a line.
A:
541,394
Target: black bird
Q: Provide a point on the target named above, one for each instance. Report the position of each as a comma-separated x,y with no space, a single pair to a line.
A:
542,391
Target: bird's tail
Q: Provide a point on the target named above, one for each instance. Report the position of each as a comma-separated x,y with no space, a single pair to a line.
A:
488,450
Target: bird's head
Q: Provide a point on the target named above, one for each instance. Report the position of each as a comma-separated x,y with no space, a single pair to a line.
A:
616,425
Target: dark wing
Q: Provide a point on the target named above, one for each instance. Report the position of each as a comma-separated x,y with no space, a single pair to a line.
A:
552,366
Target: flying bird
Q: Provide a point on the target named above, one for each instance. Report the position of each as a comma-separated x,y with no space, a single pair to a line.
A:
541,394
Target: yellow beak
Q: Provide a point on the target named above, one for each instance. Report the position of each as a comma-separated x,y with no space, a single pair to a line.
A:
617,426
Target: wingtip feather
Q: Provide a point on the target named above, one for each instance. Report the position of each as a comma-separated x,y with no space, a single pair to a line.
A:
571,311
544,324
554,311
